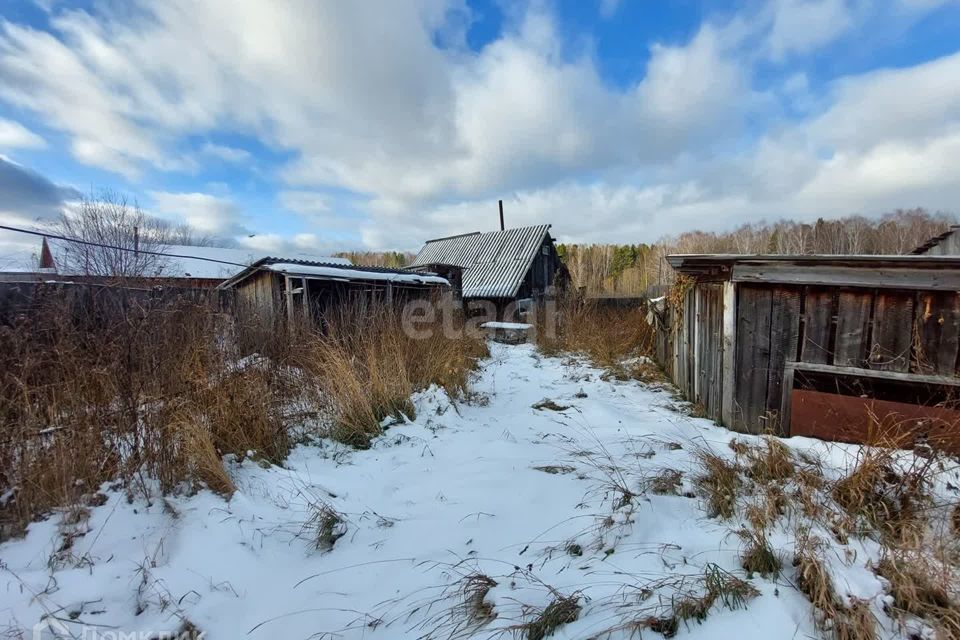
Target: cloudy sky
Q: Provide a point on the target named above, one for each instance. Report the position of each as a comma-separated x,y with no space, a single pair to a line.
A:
377,124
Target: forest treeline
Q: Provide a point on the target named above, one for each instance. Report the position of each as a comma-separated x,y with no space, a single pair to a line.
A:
633,269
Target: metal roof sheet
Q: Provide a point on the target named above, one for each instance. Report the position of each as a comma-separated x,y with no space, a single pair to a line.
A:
494,264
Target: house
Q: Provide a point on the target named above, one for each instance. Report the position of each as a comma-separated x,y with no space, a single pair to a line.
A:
508,268
274,288
834,347
945,244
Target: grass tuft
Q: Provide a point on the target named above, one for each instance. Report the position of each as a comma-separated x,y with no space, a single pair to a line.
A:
757,555
916,590
325,526
561,610
720,481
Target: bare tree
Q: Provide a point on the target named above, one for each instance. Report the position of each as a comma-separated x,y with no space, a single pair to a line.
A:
110,236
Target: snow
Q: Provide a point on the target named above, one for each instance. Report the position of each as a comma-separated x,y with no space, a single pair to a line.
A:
455,490
516,326
356,273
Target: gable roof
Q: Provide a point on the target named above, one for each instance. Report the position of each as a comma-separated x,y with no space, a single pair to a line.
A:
180,261
494,264
334,271
935,241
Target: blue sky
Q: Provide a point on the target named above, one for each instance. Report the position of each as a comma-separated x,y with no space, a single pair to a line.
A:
335,126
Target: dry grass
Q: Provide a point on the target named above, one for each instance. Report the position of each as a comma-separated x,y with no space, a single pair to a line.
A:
561,610
721,483
885,497
771,462
607,336
151,392
665,482
920,587
716,586
368,367
832,618
325,526
757,556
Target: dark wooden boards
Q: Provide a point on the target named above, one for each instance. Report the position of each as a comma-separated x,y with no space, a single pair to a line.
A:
892,331
852,345
817,322
784,330
865,276
938,331
754,308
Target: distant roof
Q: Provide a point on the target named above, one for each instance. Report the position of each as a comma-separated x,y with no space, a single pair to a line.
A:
934,241
494,264
334,271
180,261
890,272
686,260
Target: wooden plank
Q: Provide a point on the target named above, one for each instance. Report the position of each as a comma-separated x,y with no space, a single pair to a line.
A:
892,331
784,327
946,278
753,356
875,374
938,331
728,342
817,323
852,345
786,398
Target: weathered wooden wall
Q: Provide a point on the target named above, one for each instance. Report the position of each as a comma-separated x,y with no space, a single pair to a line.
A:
689,345
855,328
913,332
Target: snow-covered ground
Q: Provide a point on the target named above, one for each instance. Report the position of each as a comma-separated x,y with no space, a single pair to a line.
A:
493,486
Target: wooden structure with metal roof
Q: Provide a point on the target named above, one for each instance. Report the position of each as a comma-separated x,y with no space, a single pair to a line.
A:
826,346
272,288
500,266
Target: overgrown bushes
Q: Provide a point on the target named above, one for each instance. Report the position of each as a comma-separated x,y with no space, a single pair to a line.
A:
153,393
608,336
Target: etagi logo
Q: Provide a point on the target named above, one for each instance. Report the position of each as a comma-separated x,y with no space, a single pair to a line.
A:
54,629
50,628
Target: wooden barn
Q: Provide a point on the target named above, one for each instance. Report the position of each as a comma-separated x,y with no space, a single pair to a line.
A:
275,288
826,346
509,268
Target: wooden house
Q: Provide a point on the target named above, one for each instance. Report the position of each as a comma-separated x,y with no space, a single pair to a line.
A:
825,346
283,288
509,268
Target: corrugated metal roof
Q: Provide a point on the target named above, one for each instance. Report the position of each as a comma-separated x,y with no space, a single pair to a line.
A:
494,264
298,267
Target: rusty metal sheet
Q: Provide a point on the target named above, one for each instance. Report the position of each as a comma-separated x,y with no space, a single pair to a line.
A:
831,416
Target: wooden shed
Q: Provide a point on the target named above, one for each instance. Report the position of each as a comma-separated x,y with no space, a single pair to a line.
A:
273,288
509,268
826,346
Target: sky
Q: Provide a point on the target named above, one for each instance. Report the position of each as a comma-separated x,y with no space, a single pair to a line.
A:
328,126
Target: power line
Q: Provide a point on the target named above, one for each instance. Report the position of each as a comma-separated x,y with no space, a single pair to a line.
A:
107,246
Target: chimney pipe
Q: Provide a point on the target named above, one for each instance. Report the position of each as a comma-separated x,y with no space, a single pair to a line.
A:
500,202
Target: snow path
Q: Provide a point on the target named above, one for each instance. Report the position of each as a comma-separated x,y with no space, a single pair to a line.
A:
457,484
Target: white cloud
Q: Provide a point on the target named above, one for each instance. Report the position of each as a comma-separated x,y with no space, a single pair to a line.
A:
14,135
800,26
225,153
204,213
305,202
302,245
425,138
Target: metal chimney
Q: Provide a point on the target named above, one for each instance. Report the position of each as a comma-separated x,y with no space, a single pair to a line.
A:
500,202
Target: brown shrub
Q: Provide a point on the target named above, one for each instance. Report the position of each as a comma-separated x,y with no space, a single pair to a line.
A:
607,336
367,366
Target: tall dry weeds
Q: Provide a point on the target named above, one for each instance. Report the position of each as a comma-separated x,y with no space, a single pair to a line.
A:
607,336
368,363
